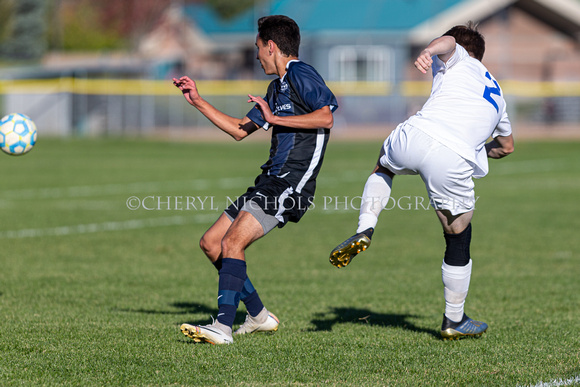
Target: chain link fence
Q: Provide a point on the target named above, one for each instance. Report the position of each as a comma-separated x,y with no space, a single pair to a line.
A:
82,107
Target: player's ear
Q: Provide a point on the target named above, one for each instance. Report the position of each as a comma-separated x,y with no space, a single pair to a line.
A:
271,46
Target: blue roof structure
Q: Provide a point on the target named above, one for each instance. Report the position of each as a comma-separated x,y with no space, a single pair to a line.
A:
211,23
315,16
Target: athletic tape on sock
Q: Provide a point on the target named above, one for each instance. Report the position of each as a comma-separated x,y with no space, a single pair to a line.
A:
456,281
457,247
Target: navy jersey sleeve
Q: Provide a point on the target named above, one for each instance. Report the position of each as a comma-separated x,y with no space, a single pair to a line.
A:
311,87
256,114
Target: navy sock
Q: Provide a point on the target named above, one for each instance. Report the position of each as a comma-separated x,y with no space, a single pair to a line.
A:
249,295
251,298
231,282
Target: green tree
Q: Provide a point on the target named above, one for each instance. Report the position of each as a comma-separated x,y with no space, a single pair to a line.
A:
5,17
106,24
229,9
23,34
83,28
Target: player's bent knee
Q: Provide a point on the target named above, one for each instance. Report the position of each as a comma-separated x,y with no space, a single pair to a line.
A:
211,248
457,247
231,246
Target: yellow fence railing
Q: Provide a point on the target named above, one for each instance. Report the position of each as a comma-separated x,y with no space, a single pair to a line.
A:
245,87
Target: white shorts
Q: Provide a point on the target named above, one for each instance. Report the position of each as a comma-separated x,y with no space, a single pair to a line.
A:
447,176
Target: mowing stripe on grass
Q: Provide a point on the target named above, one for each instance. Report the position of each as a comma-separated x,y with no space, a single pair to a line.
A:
559,382
148,186
114,189
530,166
90,228
506,168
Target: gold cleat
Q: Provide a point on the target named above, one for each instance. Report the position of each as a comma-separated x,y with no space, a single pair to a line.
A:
347,250
467,327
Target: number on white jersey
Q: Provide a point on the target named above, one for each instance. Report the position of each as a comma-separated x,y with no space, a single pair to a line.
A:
491,90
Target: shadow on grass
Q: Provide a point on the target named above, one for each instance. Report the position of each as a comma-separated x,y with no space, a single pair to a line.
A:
326,320
188,308
323,321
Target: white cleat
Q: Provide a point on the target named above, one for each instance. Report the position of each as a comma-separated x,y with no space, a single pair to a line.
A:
206,334
251,325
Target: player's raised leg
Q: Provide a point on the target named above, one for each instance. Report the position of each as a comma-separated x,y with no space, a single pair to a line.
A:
375,196
456,275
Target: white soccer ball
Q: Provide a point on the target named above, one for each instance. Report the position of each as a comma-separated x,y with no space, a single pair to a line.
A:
17,134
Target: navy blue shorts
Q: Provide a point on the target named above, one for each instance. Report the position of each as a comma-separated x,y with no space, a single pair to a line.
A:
275,197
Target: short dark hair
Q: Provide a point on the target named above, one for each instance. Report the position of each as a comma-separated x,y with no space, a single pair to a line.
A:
469,38
281,30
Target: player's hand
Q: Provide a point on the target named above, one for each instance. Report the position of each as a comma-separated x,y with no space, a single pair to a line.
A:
264,107
188,88
424,61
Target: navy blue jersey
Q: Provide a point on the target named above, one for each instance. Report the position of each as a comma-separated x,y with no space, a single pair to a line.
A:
296,154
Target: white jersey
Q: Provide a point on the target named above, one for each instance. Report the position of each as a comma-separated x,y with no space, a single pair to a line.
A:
465,108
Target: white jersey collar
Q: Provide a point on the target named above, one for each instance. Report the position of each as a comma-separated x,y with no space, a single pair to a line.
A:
287,67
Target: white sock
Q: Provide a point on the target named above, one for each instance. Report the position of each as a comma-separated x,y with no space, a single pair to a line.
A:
223,327
456,285
374,198
261,317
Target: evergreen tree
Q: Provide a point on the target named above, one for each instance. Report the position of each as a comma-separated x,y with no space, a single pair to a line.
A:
229,9
24,36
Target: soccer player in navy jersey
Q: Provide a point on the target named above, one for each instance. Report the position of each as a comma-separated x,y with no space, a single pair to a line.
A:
298,110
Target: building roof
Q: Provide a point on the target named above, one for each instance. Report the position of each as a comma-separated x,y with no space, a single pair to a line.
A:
315,16
420,20
562,15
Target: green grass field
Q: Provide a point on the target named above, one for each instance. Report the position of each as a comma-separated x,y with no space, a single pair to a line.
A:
93,292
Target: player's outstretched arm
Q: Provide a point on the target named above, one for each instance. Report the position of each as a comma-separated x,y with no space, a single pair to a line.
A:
443,46
235,127
321,118
499,147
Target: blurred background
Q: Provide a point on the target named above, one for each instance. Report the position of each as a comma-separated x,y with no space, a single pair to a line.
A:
104,68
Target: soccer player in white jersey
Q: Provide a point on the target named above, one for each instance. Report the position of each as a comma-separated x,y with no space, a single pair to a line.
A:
444,143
